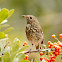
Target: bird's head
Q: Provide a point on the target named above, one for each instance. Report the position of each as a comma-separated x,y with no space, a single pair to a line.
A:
30,18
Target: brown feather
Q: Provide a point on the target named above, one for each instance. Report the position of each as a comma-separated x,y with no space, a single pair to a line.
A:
33,31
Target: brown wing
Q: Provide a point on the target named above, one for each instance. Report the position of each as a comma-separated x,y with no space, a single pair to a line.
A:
33,33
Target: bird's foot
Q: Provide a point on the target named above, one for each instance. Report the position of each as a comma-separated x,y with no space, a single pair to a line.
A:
39,50
29,50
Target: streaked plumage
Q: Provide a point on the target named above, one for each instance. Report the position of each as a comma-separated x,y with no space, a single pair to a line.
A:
34,32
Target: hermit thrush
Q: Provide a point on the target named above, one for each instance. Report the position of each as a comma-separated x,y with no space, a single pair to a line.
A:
34,32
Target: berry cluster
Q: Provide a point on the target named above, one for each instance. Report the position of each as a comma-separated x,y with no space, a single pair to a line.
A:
41,53
26,57
25,43
51,59
60,35
56,49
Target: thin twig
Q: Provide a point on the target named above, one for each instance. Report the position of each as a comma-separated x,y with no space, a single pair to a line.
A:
6,45
32,51
43,50
57,39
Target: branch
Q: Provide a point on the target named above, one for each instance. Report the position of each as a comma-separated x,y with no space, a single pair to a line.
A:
32,51
43,50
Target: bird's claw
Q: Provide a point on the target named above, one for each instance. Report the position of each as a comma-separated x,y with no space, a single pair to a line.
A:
38,50
29,50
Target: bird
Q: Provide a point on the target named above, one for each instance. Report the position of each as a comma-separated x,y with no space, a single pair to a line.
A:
34,31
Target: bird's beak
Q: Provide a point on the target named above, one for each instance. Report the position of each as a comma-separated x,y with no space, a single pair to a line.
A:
23,16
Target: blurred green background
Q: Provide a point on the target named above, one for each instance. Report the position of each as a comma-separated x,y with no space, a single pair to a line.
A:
48,12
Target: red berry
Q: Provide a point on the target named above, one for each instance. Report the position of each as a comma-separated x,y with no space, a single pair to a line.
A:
55,44
54,57
48,60
60,36
56,50
59,51
41,58
49,46
26,57
53,36
51,55
41,53
53,52
25,43
56,53
49,42
60,45
58,42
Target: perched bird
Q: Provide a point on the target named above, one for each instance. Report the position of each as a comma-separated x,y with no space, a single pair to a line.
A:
34,32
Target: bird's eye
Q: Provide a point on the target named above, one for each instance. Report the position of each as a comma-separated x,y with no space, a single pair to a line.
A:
30,17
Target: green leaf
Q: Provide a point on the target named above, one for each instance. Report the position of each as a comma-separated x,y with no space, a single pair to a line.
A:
12,56
35,60
9,29
0,49
6,57
2,35
20,56
3,14
24,61
16,46
10,13
23,48
0,59
6,25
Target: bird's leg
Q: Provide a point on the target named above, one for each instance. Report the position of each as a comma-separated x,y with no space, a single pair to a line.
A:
43,45
30,48
39,47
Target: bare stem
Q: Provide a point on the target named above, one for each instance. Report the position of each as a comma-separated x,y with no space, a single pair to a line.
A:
32,51
43,50
57,39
